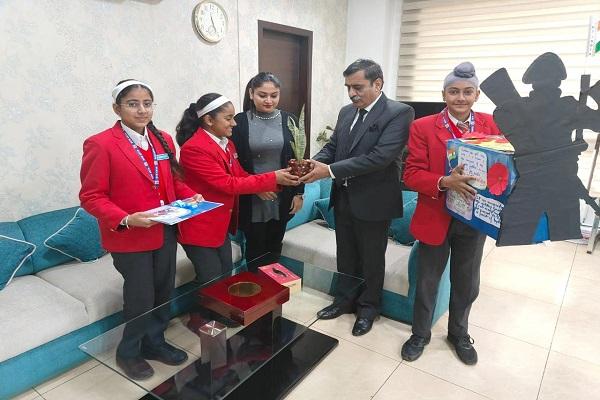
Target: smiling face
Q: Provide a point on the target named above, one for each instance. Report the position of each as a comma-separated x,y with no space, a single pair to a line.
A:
265,97
135,108
460,97
222,123
360,90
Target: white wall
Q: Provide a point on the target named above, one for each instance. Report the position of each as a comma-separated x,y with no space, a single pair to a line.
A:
373,32
61,59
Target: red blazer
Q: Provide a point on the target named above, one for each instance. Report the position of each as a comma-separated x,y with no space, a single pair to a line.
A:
425,164
115,183
220,178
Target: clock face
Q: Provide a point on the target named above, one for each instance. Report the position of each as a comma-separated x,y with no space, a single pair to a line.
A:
210,21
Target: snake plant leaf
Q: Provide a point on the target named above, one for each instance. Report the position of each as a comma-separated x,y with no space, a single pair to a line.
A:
299,136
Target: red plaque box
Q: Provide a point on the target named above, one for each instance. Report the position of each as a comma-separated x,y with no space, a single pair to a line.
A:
244,297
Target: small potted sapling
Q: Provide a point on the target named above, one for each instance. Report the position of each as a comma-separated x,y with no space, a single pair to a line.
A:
299,165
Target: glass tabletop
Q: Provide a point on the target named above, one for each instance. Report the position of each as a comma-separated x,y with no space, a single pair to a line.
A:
226,346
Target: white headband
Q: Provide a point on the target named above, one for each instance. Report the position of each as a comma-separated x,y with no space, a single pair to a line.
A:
216,103
119,88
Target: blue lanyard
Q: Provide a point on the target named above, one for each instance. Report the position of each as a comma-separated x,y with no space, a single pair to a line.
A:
449,128
154,176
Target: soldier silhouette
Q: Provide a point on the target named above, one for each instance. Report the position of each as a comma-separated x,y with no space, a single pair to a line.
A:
540,129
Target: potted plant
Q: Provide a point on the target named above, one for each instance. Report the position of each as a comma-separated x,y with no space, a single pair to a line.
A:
324,136
299,165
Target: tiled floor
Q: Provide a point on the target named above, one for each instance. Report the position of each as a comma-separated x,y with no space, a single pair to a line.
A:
536,325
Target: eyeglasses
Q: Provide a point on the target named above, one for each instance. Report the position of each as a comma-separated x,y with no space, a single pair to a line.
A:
134,105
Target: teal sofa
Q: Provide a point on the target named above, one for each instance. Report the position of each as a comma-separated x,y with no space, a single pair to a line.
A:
54,303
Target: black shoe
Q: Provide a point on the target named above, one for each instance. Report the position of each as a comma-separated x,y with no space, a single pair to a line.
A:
330,312
136,368
361,326
464,348
165,353
413,347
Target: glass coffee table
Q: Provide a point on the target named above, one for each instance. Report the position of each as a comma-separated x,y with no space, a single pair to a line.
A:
263,359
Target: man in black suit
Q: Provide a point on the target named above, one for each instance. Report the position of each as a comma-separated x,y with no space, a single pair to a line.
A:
363,158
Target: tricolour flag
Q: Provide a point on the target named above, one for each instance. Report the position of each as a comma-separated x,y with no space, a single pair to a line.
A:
594,37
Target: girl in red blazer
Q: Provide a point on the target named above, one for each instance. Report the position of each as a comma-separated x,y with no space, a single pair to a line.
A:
438,233
210,164
126,170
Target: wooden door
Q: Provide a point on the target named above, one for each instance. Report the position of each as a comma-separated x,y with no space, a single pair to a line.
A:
287,52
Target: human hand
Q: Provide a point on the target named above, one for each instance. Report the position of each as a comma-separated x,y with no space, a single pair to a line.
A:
283,177
459,183
140,220
297,202
318,171
197,198
267,195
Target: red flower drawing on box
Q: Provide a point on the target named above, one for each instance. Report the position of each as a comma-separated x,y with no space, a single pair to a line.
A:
497,178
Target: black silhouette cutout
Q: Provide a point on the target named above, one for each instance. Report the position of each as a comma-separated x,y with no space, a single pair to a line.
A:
540,129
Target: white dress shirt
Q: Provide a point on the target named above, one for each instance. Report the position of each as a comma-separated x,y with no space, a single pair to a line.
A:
221,141
367,109
141,141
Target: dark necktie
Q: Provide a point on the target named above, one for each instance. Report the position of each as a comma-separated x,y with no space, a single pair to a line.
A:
463,126
358,123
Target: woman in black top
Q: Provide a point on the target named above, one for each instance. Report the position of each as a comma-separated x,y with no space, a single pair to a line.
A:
262,139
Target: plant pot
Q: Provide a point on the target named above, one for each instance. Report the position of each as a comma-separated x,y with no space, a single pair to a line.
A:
299,168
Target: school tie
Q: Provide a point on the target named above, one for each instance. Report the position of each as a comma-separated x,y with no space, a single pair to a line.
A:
359,121
463,126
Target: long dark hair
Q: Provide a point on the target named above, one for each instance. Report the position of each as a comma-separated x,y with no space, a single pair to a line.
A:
176,169
190,122
257,81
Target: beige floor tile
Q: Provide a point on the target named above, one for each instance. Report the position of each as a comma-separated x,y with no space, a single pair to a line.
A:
488,247
386,336
410,383
67,376
536,283
349,372
28,395
514,315
303,306
587,265
568,378
578,335
508,369
551,256
99,383
582,294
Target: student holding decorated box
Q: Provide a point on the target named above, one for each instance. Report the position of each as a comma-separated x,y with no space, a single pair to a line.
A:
438,233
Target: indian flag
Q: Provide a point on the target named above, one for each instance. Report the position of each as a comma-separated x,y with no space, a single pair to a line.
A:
594,37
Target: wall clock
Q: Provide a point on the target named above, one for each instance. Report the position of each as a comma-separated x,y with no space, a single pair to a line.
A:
210,21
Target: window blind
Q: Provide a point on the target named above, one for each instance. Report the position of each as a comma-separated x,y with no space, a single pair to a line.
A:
436,35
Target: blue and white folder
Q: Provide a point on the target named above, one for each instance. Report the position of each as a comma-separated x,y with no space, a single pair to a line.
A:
180,210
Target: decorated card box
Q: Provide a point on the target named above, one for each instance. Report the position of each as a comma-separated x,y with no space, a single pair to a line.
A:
490,160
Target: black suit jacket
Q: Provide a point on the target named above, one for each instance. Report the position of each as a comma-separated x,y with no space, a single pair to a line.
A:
242,144
372,164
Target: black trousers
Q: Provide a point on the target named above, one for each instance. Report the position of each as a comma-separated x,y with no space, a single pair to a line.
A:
210,262
262,238
466,246
361,249
149,278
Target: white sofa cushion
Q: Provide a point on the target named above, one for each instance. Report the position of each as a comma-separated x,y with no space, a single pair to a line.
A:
99,285
35,312
314,243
